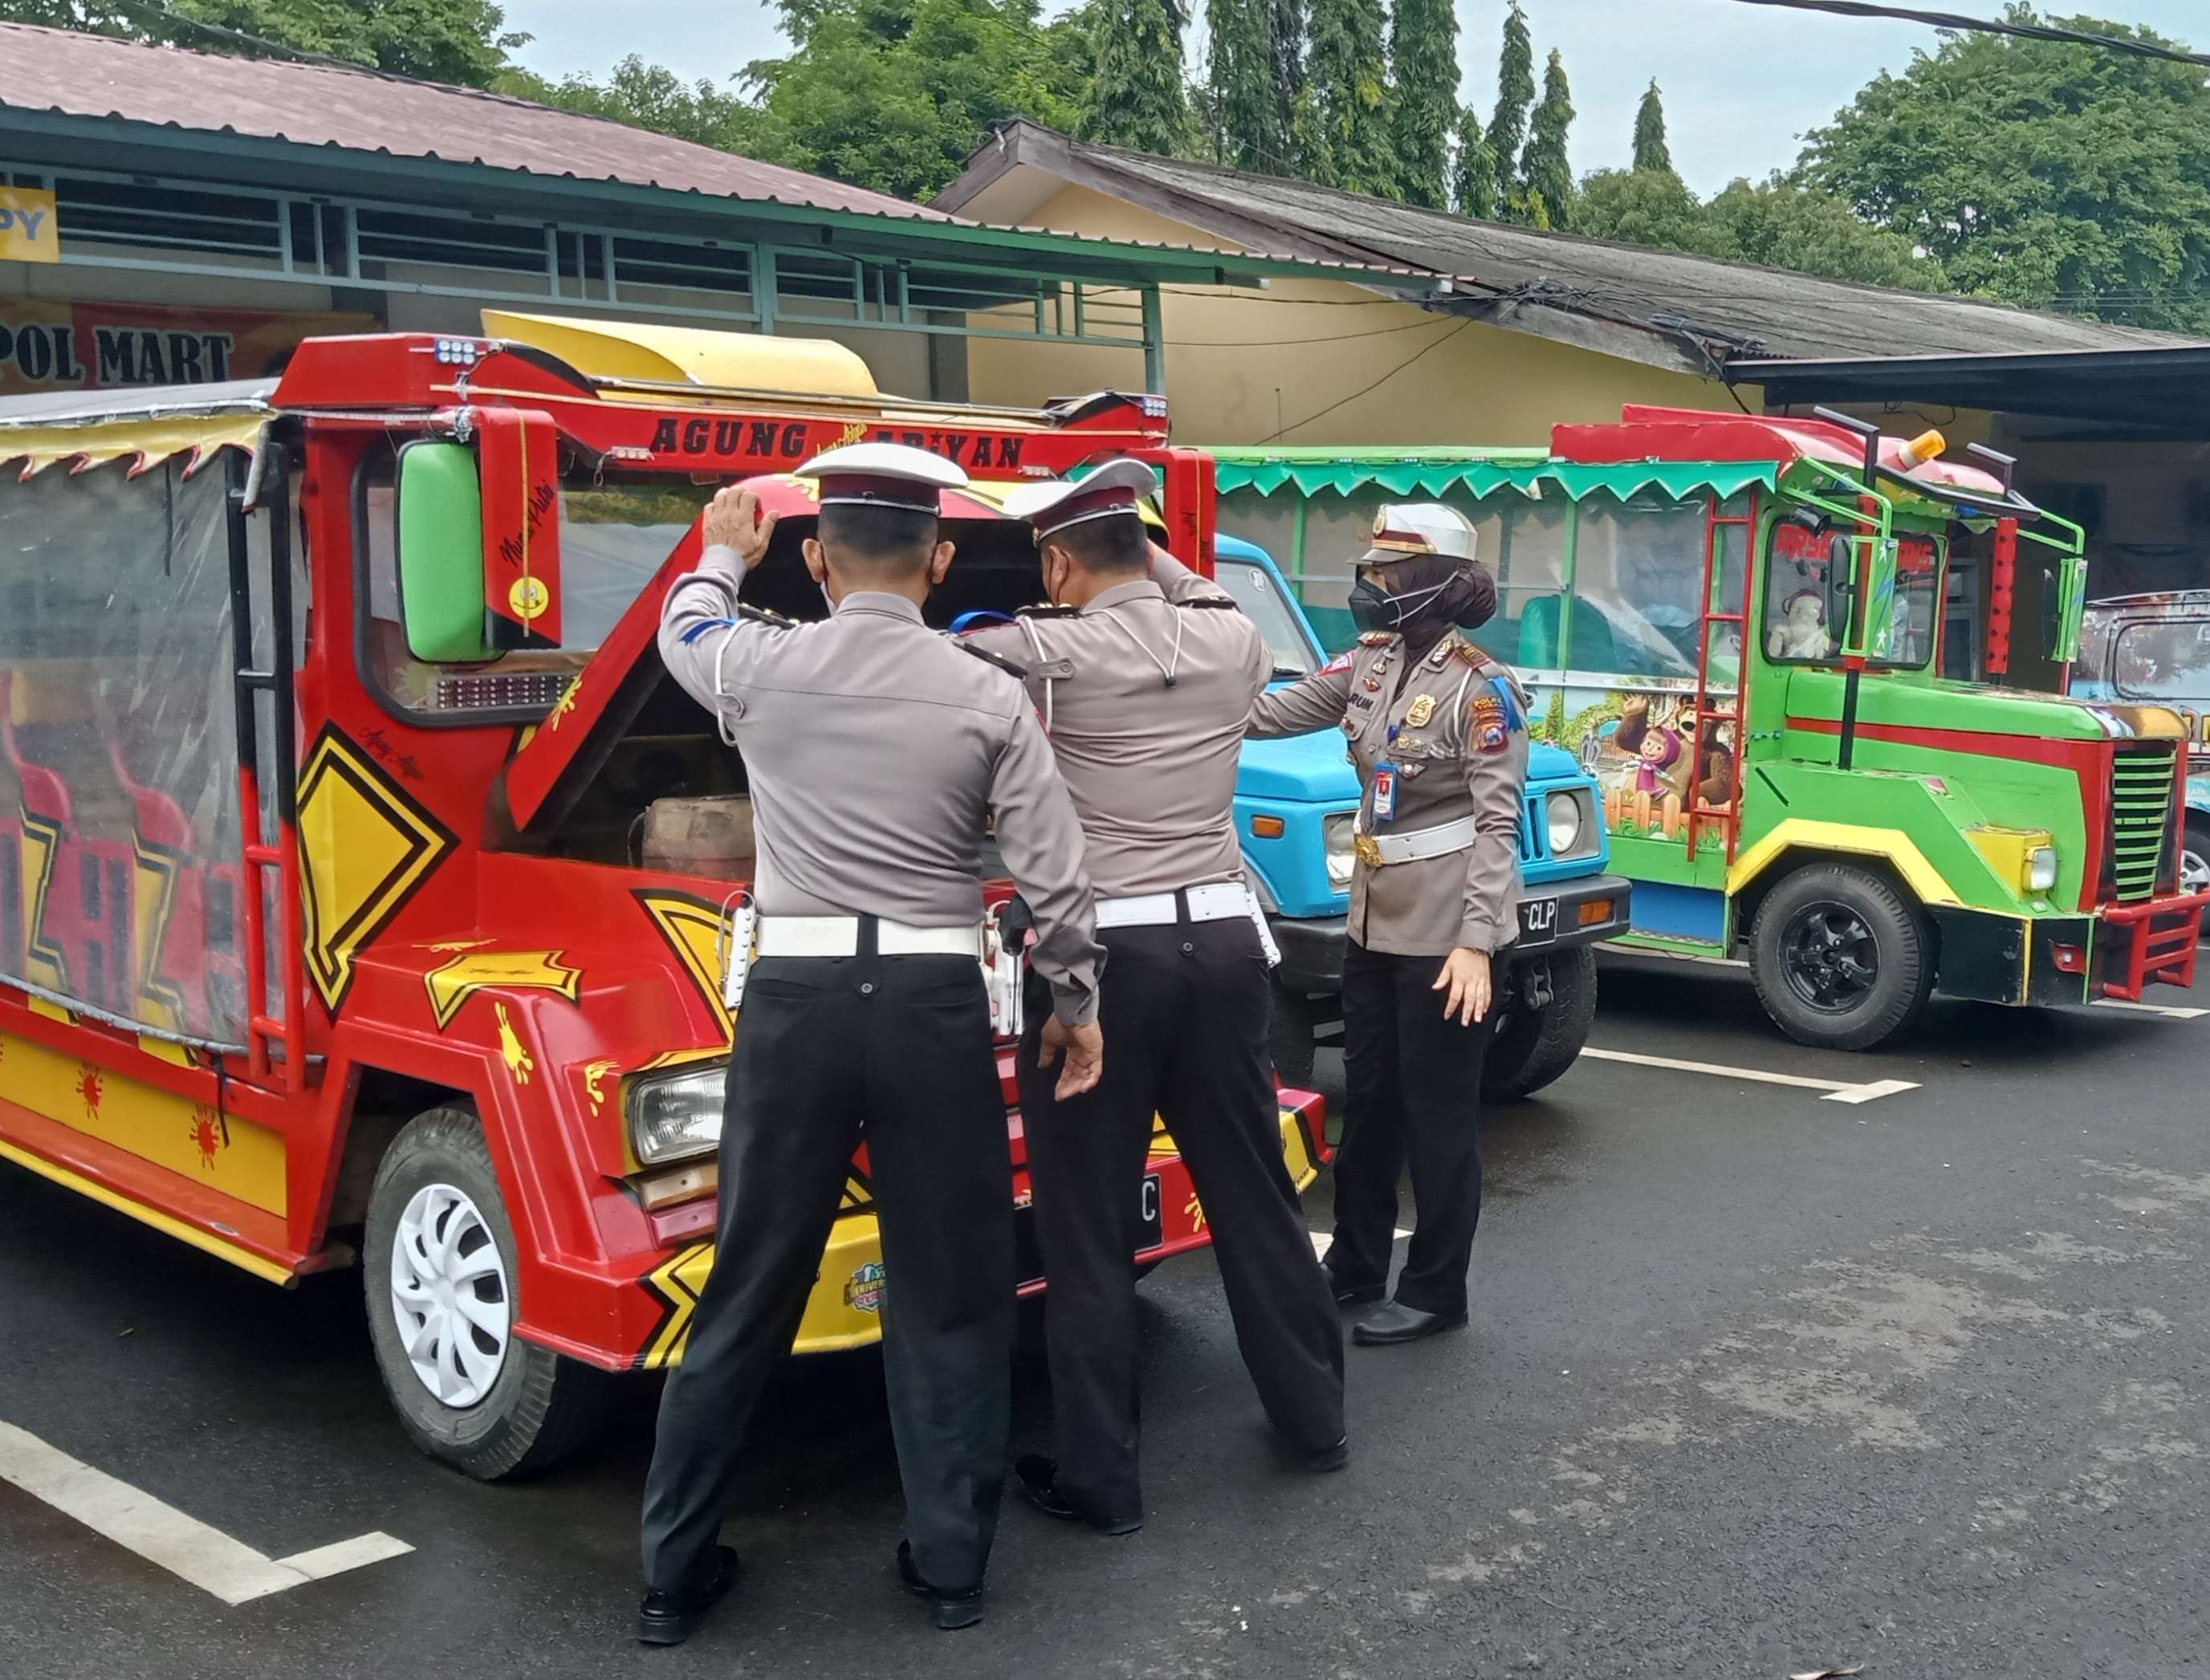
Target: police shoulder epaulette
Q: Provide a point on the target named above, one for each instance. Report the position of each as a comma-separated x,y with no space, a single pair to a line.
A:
762,615
1217,601
989,658
1050,610
1473,656
1377,639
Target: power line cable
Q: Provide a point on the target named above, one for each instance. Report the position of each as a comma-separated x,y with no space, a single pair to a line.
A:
2045,31
1276,436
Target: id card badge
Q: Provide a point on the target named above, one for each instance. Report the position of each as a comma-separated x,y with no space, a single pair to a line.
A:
1385,791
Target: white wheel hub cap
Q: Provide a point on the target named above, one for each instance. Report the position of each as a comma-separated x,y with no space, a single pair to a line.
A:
449,1295
2193,870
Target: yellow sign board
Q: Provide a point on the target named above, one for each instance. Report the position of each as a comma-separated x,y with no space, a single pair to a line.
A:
28,230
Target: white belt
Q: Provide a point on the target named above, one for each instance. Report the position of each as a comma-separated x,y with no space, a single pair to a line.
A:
1376,850
839,936
1218,901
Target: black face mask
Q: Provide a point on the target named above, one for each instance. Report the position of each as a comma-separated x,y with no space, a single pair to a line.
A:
1372,607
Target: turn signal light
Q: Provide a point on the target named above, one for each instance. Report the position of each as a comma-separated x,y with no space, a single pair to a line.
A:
2070,959
1267,828
1594,910
659,1190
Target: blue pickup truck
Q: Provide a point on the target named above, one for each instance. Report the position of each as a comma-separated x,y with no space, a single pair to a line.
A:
1294,802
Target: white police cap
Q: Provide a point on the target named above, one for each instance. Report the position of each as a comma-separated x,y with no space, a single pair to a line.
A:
1403,530
882,475
1104,491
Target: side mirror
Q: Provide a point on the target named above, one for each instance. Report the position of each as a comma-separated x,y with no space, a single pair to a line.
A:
480,539
2063,604
441,569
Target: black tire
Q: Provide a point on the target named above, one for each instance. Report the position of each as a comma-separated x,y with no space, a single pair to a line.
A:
1533,1047
1290,1032
1841,959
540,1407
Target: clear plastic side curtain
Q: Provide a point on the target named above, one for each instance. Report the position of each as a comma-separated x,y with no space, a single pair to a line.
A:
119,868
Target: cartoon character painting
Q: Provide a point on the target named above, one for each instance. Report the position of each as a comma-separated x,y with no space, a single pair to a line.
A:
1641,754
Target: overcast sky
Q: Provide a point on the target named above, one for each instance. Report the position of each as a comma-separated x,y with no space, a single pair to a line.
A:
1741,83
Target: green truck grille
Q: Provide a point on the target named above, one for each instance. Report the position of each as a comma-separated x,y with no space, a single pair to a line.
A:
2141,817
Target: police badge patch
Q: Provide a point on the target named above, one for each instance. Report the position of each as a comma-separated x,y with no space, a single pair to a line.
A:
1491,731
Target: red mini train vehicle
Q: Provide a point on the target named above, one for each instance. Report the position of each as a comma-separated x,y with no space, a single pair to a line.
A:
363,870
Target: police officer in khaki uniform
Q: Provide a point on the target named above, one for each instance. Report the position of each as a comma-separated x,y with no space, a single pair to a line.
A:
1144,674
1438,732
875,751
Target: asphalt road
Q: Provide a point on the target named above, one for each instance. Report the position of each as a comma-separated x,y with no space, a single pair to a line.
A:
1758,1383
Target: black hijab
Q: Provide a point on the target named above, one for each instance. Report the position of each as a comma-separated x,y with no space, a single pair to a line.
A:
1465,595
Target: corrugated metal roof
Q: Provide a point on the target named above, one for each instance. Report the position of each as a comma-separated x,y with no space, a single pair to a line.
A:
1521,270
313,105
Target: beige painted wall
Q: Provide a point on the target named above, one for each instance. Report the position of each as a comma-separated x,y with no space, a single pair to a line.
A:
1293,363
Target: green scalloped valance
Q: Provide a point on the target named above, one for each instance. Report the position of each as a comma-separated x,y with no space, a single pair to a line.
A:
1433,472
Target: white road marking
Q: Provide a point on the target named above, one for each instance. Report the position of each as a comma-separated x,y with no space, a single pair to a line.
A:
2170,1010
206,1558
1835,1090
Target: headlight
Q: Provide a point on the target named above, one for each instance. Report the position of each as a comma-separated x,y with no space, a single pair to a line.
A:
1564,813
673,1116
1570,816
1340,856
2041,869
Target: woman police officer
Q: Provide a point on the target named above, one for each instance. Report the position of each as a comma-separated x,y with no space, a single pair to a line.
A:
1438,732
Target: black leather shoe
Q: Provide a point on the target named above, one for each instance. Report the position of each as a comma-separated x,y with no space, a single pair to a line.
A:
1354,1294
667,1618
1036,1475
951,1609
1321,1460
1397,1322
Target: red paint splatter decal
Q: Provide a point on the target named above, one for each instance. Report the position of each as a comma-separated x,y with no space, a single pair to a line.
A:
210,1132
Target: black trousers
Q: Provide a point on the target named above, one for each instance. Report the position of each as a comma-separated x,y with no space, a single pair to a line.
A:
1412,1085
896,1049
1184,1011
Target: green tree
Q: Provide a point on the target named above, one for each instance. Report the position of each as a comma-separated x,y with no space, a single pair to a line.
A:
1782,225
1285,51
1647,207
1424,66
460,41
1545,173
1473,172
1777,225
651,96
1243,92
1135,96
893,94
1650,151
1344,118
2039,172
1515,95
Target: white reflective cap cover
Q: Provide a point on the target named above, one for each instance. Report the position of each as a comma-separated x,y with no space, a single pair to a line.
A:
882,476
1109,488
1402,529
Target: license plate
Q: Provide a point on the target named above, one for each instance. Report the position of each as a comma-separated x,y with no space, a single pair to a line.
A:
1538,920
1148,1232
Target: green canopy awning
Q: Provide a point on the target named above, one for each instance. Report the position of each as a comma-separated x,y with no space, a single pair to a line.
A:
1313,472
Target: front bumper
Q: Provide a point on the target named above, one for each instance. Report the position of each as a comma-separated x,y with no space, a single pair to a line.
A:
844,1310
1549,919
1557,924
2118,952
